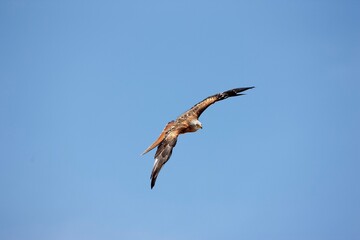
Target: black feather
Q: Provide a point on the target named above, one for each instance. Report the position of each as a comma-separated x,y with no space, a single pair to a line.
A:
232,93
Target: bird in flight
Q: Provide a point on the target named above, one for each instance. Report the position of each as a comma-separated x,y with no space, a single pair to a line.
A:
187,122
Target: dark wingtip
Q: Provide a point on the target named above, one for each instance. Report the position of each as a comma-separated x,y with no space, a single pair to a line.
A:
239,90
243,89
152,183
153,180
232,93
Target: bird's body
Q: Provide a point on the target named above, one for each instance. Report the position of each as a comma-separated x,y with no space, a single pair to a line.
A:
186,122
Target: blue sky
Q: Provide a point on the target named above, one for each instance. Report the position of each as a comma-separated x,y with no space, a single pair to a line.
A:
86,86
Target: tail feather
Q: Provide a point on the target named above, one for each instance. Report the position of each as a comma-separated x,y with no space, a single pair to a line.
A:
160,138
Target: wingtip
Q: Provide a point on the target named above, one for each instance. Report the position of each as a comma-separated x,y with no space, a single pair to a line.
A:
247,88
153,178
239,91
152,183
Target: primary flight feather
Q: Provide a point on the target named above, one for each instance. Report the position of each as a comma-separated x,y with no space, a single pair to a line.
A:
187,122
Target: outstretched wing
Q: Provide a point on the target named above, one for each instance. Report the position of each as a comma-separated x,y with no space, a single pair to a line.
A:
200,107
168,138
162,155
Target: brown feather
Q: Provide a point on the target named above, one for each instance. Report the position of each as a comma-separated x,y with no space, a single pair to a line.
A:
200,107
168,137
160,138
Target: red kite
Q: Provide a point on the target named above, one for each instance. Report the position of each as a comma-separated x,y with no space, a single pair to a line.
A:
187,122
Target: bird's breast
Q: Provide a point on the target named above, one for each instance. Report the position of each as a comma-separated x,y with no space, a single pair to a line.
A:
188,129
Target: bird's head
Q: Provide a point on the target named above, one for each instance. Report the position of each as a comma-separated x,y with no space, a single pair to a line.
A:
196,124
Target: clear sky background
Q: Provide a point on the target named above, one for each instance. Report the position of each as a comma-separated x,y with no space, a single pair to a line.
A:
86,86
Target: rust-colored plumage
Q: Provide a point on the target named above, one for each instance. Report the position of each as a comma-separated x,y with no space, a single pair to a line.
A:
187,122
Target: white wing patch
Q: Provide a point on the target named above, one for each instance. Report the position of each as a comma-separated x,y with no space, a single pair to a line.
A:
156,161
